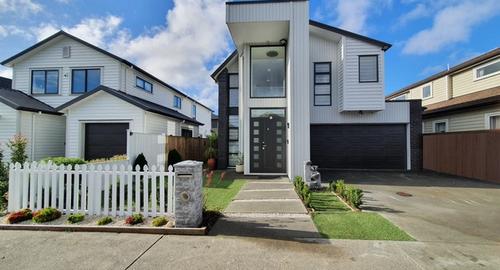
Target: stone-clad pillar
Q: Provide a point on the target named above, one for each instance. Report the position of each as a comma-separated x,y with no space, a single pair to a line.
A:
188,194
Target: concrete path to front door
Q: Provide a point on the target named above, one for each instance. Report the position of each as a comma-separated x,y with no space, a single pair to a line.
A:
267,209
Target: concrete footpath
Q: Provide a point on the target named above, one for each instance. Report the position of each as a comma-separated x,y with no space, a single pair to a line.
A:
268,209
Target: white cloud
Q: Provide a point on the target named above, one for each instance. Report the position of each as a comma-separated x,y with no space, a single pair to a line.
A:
451,25
12,30
430,70
6,73
20,7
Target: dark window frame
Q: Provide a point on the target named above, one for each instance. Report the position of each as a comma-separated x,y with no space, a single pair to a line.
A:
194,111
376,65
315,83
144,83
229,140
229,90
85,80
180,102
45,71
285,75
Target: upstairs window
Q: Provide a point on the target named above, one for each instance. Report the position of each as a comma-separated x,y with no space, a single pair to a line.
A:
85,80
440,126
45,82
144,85
233,90
427,91
487,70
193,111
368,68
267,71
322,84
493,120
177,102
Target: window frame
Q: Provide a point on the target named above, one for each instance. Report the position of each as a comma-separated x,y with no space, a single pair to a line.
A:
229,140
284,69
144,83
329,84
376,65
430,87
45,84
474,70
86,77
229,88
180,102
193,111
487,119
439,121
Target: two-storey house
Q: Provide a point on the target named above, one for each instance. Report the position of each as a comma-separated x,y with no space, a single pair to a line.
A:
71,98
465,97
296,90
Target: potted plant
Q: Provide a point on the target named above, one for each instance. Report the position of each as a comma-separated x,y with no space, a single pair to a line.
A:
239,165
211,151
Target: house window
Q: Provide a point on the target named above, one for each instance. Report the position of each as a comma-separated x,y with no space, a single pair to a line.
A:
45,82
440,126
493,120
85,80
487,70
322,84
368,68
233,136
144,85
233,90
267,72
427,91
193,111
186,133
177,102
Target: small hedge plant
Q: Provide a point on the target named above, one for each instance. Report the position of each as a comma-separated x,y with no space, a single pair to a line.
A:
173,157
20,216
353,196
64,161
75,218
46,215
134,219
159,221
104,221
141,161
302,190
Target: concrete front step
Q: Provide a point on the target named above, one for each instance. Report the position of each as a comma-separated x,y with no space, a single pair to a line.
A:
266,194
290,206
267,185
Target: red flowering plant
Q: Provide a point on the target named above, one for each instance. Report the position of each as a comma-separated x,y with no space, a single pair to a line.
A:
19,216
134,219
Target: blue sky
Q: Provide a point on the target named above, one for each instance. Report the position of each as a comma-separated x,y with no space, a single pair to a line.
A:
182,41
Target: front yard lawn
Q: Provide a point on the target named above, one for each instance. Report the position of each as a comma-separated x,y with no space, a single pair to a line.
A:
220,192
334,220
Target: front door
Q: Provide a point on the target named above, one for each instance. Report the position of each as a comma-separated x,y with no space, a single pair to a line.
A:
267,140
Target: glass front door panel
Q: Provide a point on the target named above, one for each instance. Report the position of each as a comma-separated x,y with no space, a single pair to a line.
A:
267,141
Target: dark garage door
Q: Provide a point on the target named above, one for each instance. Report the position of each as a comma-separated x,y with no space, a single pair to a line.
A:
105,140
359,146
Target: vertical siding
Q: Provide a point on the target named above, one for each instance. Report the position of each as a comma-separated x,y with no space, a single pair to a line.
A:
258,12
158,124
340,74
465,121
51,57
26,125
8,127
49,136
362,96
204,116
463,83
100,107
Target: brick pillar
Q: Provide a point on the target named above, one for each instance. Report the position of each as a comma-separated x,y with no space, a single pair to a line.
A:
416,134
188,194
223,135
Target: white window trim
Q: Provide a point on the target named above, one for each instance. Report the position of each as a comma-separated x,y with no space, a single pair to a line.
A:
422,91
440,121
487,117
474,71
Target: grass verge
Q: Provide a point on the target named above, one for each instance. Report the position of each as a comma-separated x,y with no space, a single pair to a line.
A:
220,192
334,220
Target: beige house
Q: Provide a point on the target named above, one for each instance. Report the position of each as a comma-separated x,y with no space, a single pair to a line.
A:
465,97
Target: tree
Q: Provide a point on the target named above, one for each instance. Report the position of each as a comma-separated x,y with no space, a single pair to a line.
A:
17,146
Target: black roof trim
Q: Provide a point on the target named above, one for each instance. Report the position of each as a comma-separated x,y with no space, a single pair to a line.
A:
385,46
221,66
19,100
124,61
136,101
483,57
261,2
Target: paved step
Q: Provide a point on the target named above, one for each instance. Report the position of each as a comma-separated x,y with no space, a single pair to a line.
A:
266,194
293,206
267,185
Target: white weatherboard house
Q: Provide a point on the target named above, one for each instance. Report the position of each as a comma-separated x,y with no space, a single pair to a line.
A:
297,90
71,98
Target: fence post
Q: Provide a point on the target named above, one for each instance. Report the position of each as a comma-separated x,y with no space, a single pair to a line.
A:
188,193
11,193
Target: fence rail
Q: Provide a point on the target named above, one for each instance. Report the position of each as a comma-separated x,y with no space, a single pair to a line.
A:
92,190
473,154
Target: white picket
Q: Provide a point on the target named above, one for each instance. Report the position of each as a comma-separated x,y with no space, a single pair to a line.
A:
60,187
145,180
154,174
76,187
32,185
40,178
129,190
122,190
137,176
106,190
91,190
113,190
98,181
83,194
162,189
170,190
25,185
53,186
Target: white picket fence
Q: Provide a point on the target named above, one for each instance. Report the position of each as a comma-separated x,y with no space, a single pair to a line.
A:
93,190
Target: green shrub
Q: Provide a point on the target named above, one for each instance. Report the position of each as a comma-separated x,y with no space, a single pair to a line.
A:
354,196
4,173
113,158
46,215
64,161
134,219
75,218
160,221
174,157
17,146
104,221
19,216
4,181
339,187
141,161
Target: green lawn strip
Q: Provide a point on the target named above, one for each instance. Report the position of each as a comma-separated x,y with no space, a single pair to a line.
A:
220,192
335,220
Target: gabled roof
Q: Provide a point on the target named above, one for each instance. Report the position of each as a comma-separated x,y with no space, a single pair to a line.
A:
126,62
469,63
5,83
383,45
18,100
136,101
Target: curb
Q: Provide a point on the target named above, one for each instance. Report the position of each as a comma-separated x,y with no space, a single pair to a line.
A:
116,229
